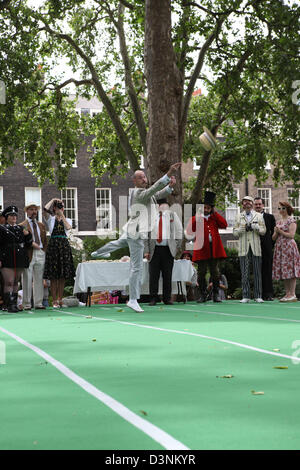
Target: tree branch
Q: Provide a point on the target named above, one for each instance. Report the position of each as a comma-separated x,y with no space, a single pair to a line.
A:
140,122
124,141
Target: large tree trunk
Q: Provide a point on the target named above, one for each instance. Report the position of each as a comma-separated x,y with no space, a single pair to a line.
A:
165,91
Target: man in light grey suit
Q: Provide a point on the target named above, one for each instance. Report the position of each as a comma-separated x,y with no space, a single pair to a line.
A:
142,215
161,248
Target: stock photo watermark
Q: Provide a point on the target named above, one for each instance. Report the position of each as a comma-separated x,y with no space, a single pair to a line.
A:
296,353
2,92
2,352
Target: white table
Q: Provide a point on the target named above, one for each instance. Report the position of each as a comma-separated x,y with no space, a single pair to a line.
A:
98,276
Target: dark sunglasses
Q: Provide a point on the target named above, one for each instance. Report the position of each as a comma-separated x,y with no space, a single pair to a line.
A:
281,208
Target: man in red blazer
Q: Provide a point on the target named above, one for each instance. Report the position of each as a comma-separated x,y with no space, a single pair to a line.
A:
208,247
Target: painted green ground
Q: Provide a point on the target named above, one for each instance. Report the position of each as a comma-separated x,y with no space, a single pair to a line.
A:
166,365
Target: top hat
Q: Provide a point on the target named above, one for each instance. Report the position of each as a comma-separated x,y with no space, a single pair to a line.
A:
162,201
186,253
32,204
207,140
209,198
10,210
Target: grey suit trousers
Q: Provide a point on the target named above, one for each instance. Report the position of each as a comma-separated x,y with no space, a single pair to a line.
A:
136,249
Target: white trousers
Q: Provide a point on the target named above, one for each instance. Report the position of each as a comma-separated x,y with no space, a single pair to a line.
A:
33,278
136,248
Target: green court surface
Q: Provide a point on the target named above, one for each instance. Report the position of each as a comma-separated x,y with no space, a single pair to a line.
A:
173,377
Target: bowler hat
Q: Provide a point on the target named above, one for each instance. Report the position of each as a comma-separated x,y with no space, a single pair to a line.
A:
207,140
10,210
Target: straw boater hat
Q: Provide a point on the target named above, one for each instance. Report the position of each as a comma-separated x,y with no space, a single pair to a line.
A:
207,140
248,198
30,204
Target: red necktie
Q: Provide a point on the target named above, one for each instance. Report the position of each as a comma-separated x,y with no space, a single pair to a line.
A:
159,237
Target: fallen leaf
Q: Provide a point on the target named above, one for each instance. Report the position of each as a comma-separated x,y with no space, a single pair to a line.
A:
276,350
89,316
257,393
120,310
280,367
94,339
144,412
227,376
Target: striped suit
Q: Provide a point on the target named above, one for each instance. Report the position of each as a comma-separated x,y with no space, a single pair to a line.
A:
250,249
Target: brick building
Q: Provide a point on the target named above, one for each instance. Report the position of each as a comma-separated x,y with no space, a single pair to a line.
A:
99,210
267,191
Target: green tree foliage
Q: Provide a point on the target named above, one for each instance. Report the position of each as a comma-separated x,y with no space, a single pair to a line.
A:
245,54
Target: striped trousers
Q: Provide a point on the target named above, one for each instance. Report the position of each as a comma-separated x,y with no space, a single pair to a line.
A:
245,273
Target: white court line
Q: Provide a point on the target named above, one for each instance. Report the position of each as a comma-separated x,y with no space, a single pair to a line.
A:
157,434
236,315
221,340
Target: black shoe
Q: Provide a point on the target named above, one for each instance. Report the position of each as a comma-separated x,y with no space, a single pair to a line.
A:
216,298
168,302
152,303
269,299
201,300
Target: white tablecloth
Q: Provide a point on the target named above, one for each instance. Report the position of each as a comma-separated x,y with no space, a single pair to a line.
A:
100,276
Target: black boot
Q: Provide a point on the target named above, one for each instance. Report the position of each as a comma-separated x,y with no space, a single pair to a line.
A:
6,297
201,299
13,300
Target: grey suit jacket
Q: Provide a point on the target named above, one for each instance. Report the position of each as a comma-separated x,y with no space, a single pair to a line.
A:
175,235
143,211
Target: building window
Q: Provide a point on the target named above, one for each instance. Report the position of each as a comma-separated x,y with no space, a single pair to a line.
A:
74,164
294,201
232,209
142,162
266,195
196,164
34,195
69,198
103,209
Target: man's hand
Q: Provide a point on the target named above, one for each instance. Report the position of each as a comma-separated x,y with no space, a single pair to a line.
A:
173,168
172,181
147,256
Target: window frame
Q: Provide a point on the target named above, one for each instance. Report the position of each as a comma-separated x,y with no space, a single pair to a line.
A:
98,208
75,221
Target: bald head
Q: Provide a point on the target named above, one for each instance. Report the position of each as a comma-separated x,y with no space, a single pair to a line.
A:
139,179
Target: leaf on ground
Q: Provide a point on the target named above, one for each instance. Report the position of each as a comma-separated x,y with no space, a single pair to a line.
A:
280,367
227,376
276,350
120,310
257,393
144,412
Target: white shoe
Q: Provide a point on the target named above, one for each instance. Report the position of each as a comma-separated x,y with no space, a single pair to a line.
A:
134,305
290,299
244,301
259,301
95,254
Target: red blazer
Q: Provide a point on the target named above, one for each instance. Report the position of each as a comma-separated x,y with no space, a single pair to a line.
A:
201,230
